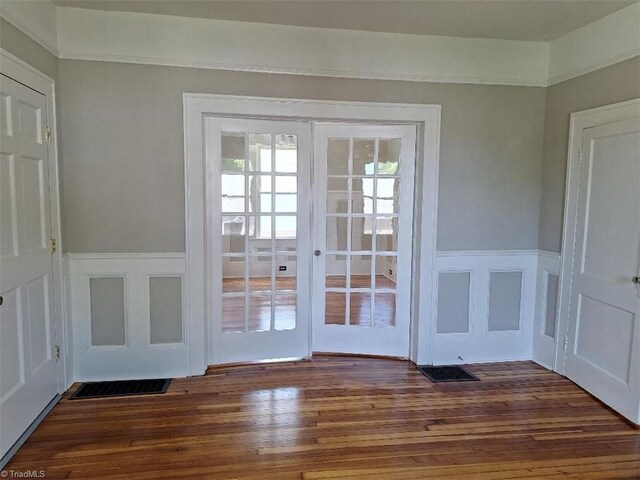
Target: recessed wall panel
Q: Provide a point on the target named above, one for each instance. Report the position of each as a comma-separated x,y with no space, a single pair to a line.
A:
505,294
107,311
550,308
453,302
165,309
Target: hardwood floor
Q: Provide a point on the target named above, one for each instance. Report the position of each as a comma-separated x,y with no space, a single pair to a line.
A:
340,418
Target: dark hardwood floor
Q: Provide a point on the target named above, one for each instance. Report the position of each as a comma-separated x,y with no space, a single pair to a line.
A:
340,418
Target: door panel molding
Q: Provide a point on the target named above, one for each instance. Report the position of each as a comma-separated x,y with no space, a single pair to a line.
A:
598,302
579,121
19,70
427,117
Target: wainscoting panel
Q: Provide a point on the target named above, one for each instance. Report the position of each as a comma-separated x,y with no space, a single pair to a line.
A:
501,295
545,330
127,316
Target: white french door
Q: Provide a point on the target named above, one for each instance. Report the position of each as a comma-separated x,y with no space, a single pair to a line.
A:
263,293
258,206
363,216
28,376
603,354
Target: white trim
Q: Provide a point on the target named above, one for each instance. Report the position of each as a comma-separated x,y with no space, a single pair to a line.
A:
606,41
579,121
480,345
28,75
255,47
427,117
137,358
38,20
139,38
544,346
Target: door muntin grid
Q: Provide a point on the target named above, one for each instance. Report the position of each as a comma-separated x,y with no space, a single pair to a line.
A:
259,229
362,195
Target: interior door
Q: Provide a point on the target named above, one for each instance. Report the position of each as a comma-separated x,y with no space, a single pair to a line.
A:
603,354
363,216
28,375
259,206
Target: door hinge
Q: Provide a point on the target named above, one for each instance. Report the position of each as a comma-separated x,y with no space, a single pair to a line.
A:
57,352
565,343
47,135
580,157
53,245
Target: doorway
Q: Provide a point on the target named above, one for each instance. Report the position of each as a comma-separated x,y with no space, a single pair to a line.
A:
275,205
201,297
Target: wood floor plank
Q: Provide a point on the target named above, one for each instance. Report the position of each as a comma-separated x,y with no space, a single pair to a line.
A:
340,417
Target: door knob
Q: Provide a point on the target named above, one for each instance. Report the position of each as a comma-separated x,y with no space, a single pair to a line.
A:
317,253
1,300
636,280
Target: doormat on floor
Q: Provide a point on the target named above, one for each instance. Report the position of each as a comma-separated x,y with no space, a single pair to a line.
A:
121,388
447,374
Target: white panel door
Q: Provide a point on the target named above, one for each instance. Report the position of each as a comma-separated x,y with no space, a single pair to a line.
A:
603,354
363,217
27,362
258,217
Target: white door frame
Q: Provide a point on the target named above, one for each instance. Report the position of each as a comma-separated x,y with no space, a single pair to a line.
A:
427,117
14,67
579,121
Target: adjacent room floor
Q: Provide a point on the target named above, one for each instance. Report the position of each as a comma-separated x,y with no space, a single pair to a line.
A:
340,418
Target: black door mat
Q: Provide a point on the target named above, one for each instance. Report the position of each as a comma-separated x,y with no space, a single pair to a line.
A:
447,373
121,388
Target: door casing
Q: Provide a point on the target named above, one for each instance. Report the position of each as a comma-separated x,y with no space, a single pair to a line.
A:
197,107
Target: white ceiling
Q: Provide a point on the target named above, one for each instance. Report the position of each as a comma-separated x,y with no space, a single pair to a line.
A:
536,20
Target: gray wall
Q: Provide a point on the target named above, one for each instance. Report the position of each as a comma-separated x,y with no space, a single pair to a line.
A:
23,47
616,83
123,179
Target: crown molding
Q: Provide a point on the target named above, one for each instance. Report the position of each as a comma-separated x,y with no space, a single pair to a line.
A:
216,44
38,20
606,41
148,39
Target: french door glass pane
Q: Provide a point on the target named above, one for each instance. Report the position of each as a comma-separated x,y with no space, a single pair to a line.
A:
232,314
389,155
233,281
233,234
335,308
363,156
259,313
286,153
233,152
259,242
259,152
360,309
338,156
285,312
362,220
385,309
